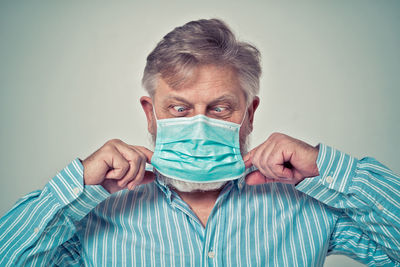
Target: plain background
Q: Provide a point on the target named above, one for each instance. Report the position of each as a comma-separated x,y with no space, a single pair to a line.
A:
70,77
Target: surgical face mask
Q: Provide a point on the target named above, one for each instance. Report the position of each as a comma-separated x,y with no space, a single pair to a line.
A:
198,149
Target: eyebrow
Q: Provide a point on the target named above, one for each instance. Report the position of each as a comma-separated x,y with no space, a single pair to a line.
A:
177,98
224,98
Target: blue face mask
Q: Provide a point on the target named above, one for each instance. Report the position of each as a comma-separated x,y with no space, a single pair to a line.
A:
198,149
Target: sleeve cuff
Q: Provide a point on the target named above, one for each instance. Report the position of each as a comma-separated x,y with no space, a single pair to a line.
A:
336,170
69,189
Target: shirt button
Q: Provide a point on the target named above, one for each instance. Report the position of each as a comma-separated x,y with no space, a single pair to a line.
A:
76,190
240,186
380,207
211,254
329,179
36,230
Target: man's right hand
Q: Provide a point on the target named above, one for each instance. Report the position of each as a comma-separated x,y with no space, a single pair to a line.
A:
117,166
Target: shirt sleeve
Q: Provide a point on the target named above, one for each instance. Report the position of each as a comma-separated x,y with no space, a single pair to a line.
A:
40,228
366,197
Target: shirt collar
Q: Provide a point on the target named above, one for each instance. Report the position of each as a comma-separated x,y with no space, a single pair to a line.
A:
240,183
164,188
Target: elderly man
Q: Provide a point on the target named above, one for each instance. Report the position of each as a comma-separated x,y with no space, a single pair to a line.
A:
205,200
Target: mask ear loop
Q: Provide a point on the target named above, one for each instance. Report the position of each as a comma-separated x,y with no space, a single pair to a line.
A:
252,168
148,166
244,116
154,110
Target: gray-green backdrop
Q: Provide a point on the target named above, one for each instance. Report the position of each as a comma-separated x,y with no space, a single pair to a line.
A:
70,77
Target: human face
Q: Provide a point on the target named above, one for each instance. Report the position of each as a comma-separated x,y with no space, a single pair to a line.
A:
213,91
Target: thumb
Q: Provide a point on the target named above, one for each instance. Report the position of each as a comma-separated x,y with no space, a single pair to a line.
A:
148,177
257,177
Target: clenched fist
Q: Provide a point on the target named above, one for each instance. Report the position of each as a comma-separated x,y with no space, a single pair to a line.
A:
282,159
117,166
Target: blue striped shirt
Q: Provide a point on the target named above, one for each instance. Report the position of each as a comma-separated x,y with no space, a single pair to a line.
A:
351,208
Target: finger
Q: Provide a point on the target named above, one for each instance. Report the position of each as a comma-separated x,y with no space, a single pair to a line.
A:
118,167
278,167
261,154
148,153
248,160
285,173
262,161
137,180
135,160
129,176
267,172
140,177
279,173
248,155
138,156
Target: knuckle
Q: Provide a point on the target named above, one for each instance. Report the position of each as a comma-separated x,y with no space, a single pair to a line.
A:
276,136
141,155
108,147
134,156
136,160
140,147
119,172
113,141
255,159
107,150
139,150
271,161
124,166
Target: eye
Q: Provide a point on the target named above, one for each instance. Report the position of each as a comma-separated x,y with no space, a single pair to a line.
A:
219,109
179,108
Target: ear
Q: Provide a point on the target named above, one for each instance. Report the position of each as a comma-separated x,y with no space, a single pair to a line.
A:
251,110
147,105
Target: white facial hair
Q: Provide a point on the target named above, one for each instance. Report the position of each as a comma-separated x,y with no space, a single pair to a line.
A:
183,186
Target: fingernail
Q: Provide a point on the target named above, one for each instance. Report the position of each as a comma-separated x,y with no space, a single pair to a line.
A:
133,186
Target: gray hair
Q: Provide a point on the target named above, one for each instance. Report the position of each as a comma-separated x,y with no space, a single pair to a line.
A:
198,43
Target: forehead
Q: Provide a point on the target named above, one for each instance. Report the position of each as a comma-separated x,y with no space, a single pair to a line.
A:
206,84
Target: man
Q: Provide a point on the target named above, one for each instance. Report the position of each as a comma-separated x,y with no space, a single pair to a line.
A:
284,203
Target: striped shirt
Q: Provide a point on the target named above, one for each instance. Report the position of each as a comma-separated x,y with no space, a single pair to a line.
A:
351,208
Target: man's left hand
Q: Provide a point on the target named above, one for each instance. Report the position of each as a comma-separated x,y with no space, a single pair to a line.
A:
282,159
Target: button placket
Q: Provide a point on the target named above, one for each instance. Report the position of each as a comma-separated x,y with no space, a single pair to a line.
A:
212,241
